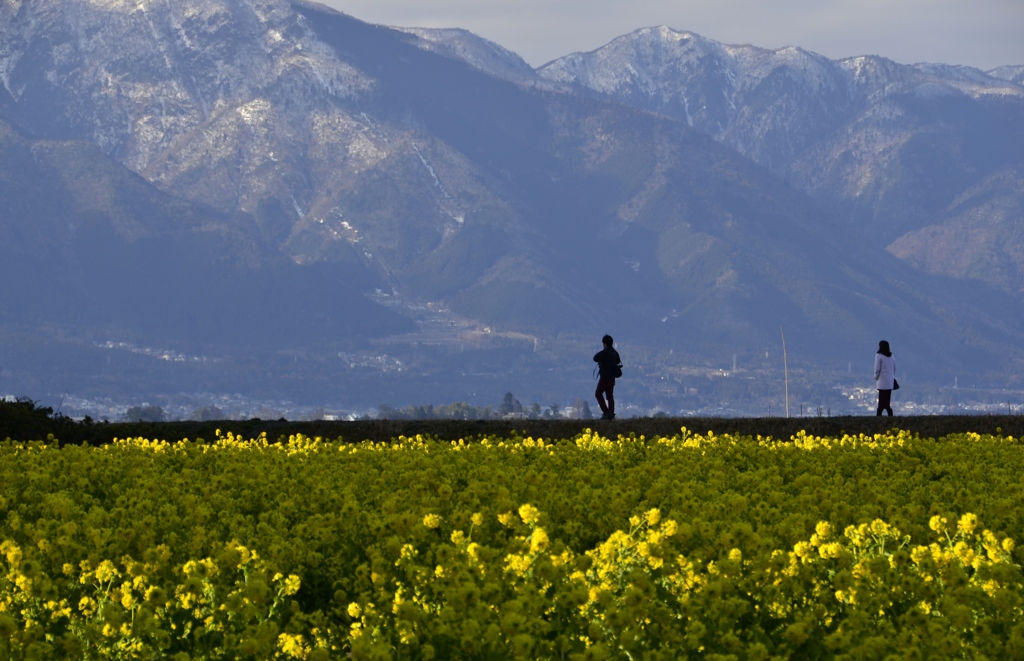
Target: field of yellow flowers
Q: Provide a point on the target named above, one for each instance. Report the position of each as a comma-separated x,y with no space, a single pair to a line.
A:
702,546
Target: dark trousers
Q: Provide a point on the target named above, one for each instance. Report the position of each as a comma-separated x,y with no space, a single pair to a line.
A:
606,387
884,402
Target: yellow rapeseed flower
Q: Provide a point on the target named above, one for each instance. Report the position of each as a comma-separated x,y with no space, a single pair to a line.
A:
529,514
967,523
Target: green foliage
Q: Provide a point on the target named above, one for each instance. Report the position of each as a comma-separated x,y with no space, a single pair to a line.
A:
24,418
24,411
207,413
455,411
509,404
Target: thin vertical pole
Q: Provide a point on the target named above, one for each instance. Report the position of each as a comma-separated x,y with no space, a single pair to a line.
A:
785,363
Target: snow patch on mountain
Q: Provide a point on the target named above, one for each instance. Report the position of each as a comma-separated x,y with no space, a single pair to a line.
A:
476,51
1012,73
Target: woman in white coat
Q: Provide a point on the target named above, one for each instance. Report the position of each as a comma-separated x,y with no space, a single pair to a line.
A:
885,377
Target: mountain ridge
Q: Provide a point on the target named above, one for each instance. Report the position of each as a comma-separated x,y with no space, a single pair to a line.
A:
366,163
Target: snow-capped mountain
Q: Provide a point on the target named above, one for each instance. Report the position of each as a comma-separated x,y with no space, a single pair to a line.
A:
897,150
354,158
746,96
771,105
894,148
716,88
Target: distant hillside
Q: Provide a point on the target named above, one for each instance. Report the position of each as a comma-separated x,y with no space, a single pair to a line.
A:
97,249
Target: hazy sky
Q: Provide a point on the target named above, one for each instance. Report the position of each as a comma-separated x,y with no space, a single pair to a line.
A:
981,33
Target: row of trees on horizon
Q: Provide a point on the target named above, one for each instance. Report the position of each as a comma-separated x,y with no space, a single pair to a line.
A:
510,407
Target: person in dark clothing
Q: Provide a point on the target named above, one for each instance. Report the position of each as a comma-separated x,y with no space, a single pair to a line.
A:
609,367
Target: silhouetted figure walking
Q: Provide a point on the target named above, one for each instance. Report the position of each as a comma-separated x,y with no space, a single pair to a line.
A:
885,377
609,367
